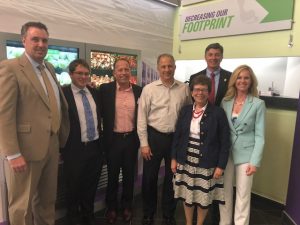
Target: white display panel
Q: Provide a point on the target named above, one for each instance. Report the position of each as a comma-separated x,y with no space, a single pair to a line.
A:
279,73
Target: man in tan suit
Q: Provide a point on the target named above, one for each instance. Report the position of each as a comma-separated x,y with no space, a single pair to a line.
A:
33,125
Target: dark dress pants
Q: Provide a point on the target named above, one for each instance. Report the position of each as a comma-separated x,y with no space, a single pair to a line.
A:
122,154
82,169
215,214
160,145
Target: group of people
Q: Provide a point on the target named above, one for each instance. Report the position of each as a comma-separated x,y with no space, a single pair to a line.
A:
203,145
213,145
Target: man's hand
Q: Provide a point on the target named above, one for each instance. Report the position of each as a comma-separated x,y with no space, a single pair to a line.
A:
218,173
174,165
146,152
18,164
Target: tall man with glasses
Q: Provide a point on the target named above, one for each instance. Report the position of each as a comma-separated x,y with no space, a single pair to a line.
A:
33,124
82,154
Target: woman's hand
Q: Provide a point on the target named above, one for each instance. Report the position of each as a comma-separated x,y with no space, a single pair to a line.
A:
250,170
218,173
174,165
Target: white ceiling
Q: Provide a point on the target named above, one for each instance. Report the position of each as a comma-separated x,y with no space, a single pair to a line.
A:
140,24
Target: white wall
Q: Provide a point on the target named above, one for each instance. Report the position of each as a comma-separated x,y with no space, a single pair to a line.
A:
279,73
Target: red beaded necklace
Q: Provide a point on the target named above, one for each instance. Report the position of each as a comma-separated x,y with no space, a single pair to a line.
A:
197,114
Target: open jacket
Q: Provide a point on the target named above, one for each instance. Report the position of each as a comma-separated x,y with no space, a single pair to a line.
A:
248,131
214,137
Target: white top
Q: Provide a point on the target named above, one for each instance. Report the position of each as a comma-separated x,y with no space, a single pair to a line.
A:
81,114
195,127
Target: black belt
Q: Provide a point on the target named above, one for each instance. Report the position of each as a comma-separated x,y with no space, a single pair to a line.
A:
124,134
86,143
158,132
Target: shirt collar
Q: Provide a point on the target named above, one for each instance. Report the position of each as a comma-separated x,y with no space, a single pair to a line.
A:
76,89
159,82
203,108
216,72
33,62
128,89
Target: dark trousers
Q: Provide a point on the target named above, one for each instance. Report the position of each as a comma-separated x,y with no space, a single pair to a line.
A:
122,154
160,145
82,169
215,214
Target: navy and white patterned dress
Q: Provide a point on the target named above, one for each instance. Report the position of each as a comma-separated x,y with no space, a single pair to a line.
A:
195,185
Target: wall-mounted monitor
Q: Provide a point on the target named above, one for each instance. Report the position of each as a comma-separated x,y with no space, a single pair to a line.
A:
102,59
60,53
59,56
102,66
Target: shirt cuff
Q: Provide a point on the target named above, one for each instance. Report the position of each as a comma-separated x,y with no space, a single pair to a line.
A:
14,156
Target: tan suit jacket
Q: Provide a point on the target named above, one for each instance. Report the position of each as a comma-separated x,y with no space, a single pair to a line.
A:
25,117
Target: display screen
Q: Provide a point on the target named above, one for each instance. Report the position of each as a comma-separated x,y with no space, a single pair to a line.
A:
102,66
59,56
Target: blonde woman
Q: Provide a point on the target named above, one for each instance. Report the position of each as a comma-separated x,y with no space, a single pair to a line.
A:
246,117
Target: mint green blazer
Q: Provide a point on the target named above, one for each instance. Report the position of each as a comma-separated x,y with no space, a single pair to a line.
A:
248,131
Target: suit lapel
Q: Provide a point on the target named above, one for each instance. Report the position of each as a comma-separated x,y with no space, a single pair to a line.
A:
29,72
61,94
136,94
95,96
222,85
71,102
228,106
113,99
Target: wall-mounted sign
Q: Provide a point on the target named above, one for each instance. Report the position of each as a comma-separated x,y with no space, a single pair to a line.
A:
232,17
189,2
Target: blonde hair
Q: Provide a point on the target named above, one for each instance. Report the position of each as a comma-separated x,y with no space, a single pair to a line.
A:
231,92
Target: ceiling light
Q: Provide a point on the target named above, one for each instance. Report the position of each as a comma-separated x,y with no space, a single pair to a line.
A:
171,2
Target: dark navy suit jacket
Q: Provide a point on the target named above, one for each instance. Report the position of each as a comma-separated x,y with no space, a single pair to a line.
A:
214,137
74,140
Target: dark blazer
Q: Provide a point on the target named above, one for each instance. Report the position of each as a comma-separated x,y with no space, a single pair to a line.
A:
107,96
223,83
74,140
214,136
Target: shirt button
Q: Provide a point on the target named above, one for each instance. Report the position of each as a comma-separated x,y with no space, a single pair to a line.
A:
201,143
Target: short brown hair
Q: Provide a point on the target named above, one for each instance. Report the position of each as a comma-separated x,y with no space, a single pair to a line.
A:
165,55
77,62
215,46
201,79
27,25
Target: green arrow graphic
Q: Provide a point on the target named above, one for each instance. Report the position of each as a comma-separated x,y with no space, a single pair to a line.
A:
277,9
